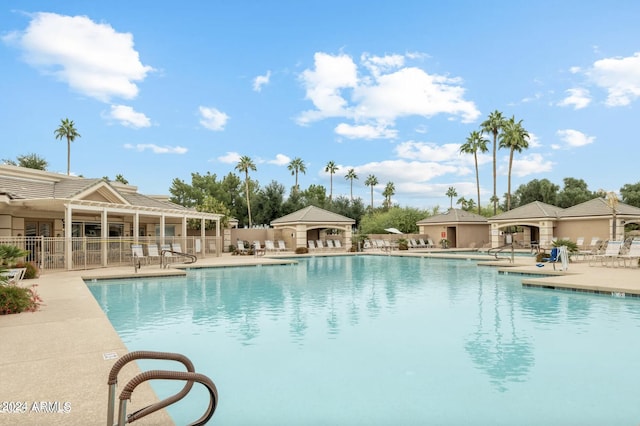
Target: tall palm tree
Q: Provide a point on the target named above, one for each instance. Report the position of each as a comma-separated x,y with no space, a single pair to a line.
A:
388,192
351,175
515,138
494,125
475,142
244,165
67,130
371,181
297,166
451,192
331,168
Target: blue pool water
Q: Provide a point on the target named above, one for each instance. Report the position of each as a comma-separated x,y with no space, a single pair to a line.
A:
383,340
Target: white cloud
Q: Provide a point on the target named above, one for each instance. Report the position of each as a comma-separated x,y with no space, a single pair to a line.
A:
384,90
423,151
260,81
404,171
212,118
534,141
230,158
128,117
280,160
526,165
620,77
573,138
365,131
578,98
93,59
141,147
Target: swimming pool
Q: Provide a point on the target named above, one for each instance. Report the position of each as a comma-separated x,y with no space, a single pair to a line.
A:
379,340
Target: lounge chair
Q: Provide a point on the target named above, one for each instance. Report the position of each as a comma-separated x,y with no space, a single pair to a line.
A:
320,245
241,248
282,246
167,254
176,247
269,246
257,248
330,245
591,250
611,253
633,255
311,244
337,244
152,252
14,275
553,258
137,254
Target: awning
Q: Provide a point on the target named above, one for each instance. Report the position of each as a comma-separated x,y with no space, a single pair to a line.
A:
394,231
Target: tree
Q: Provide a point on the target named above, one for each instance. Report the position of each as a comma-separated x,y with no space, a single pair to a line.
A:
297,166
515,138
451,192
351,176
494,125
331,168
371,181
67,130
388,192
244,165
631,194
475,142
575,191
29,161
121,179
269,203
536,190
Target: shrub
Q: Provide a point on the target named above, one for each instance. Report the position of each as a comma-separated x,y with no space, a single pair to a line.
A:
302,250
31,272
14,299
403,244
572,247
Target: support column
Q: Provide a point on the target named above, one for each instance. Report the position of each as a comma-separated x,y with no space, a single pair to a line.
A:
104,237
68,228
136,227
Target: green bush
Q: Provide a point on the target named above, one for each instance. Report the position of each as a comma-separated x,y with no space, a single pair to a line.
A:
31,272
302,250
14,299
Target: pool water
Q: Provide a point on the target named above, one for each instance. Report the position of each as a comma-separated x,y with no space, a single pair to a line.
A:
384,340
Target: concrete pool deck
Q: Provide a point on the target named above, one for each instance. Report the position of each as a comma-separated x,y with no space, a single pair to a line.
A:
59,358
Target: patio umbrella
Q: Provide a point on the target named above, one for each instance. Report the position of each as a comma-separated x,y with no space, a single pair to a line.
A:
394,231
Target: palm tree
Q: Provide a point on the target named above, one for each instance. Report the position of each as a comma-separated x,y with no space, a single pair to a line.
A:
331,168
493,125
244,165
451,192
297,166
351,175
514,137
371,181
68,131
389,191
475,142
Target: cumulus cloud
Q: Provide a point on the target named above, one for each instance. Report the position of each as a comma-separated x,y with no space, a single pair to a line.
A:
280,160
260,81
128,117
578,98
141,147
424,151
620,77
382,90
93,59
365,131
230,158
526,165
573,138
212,118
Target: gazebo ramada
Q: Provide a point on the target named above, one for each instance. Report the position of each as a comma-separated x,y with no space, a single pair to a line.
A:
314,223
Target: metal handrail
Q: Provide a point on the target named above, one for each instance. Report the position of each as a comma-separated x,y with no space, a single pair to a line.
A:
190,377
132,356
192,257
500,249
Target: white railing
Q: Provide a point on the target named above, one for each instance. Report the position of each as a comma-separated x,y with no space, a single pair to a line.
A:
48,253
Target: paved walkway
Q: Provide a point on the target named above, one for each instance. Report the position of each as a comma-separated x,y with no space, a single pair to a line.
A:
54,362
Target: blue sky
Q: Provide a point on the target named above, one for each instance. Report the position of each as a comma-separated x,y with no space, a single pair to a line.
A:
161,89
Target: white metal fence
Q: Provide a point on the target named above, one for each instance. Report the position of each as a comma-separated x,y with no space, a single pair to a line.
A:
93,252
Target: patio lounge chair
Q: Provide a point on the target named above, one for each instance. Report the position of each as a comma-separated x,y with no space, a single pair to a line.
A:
330,245
611,253
15,275
281,245
176,247
269,246
553,258
311,244
137,255
167,254
241,248
337,244
633,255
320,245
152,252
257,248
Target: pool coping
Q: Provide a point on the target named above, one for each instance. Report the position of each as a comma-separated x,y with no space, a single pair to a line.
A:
57,354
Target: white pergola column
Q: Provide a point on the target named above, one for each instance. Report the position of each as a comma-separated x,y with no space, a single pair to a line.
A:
136,227
68,232
104,235
162,229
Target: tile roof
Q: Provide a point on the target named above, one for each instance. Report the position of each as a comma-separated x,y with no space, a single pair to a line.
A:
313,214
599,207
454,216
534,210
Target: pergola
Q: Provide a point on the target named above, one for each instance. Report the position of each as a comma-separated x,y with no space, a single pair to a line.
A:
312,223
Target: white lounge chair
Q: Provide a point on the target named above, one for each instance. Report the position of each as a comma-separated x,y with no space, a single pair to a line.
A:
611,253
14,275
633,256
241,248
269,246
176,247
337,244
330,245
312,245
281,245
320,245
152,252
257,248
137,254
